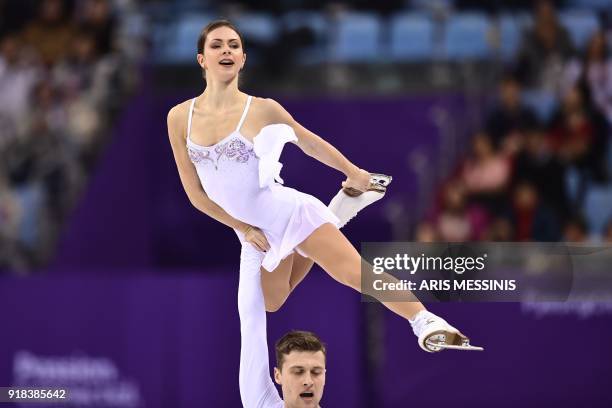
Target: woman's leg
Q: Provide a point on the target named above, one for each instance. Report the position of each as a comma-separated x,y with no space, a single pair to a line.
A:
278,284
301,267
330,249
275,284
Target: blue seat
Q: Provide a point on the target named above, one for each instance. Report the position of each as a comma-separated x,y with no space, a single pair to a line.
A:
581,24
357,38
311,19
315,21
259,27
598,208
160,39
511,29
412,37
180,43
466,36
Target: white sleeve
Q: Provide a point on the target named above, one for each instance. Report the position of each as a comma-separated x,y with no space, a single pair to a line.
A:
256,387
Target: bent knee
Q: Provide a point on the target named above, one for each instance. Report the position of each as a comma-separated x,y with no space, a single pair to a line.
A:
273,305
275,296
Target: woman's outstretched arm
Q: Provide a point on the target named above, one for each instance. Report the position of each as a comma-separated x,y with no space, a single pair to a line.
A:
317,147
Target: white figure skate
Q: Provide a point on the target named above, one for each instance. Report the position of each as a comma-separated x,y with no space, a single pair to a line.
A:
435,334
349,201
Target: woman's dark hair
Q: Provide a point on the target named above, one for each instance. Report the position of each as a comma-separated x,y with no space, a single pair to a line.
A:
212,26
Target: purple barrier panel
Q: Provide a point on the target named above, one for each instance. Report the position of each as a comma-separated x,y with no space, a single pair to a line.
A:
114,327
155,341
111,224
561,361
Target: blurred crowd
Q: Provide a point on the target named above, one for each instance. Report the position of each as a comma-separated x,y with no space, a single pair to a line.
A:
63,77
527,176
381,7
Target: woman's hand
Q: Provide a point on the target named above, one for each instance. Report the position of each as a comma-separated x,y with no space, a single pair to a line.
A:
256,237
359,180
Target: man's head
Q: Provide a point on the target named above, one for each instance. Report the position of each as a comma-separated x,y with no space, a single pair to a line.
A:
300,368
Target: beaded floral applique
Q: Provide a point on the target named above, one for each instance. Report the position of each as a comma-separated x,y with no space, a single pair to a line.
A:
198,156
234,149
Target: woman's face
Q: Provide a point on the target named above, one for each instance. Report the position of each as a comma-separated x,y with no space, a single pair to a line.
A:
223,55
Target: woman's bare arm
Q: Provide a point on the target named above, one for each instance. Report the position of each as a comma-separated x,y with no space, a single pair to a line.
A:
177,129
316,147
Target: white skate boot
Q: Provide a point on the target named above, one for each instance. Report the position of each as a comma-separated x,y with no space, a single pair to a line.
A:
435,334
349,201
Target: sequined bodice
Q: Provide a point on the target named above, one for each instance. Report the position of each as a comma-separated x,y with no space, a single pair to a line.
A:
233,149
240,175
228,171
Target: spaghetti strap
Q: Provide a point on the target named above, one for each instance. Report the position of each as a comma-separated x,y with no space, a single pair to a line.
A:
190,115
246,109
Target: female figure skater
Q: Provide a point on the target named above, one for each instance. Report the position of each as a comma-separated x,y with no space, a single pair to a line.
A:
226,145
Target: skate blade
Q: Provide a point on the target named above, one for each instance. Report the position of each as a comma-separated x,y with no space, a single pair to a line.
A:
450,341
467,347
378,183
380,179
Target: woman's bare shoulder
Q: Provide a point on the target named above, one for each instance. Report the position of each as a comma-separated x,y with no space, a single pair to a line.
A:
270,110
179,111
177,119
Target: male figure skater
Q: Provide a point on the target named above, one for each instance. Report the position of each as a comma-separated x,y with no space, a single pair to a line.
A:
300,356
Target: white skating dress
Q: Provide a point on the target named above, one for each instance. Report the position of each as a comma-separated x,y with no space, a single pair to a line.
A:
243,178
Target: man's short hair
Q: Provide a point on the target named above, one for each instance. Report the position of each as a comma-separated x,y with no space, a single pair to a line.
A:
299,341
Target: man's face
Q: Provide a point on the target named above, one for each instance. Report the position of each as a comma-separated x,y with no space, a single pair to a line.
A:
302,378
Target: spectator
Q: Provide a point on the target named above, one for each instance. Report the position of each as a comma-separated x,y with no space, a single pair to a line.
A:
98,20
17,78
532,219
500,230
486,174
579,135
595,73
537,163
10,213
51,32
545,50
458,221
426,232
510,118
575,230
74,74
47,112
11,255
